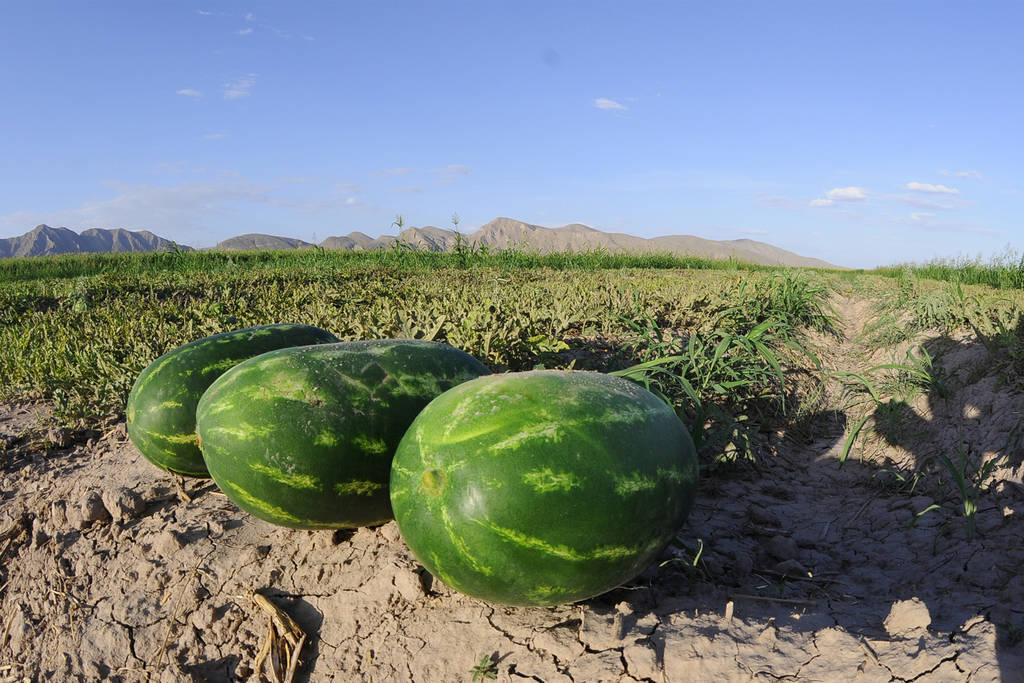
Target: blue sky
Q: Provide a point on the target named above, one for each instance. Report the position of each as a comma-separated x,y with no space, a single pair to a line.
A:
864,133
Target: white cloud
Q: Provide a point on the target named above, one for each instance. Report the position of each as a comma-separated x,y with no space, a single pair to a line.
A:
249,17
777,201
932,189
399,171
182,167
173,211
923,220
189,92
847,194
822,202
240,87
447,175
213,136
444,175
923,203
244,31
605,103
962,174
317,203
205,13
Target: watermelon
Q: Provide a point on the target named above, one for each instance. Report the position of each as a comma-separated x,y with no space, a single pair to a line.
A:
161,409
304,437
542,487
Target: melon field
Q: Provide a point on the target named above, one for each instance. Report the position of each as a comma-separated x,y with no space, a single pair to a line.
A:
859,516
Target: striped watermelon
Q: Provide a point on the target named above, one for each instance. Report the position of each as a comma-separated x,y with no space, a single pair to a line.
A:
161,408
543,487
304,437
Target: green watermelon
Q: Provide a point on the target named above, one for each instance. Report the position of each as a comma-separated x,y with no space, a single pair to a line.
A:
542,487
304,437
161,409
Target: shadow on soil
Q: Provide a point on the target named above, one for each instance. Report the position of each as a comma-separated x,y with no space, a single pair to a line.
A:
882,547
957,451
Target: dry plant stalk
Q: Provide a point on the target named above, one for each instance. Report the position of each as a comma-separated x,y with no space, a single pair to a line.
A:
283,643
780,601
17,528
174,612
179,484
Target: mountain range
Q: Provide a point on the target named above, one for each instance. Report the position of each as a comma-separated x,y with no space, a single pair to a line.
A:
46,241
501,233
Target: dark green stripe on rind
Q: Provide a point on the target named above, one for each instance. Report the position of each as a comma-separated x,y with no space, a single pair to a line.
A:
162,405
563,485
308,434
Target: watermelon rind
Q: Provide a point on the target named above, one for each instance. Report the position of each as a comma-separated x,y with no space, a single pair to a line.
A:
161,408
304,437
544,487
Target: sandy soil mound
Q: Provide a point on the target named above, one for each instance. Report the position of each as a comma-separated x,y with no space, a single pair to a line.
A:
809,571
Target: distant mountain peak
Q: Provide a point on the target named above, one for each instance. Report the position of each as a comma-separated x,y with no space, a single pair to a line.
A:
44,240
500,233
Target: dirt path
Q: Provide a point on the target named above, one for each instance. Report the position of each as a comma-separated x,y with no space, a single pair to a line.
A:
809,571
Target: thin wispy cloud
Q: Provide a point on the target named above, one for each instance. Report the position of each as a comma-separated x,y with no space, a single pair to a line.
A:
446,175
185,167
213,136
318,203
924,221
189,92
607,104
263,28
777,201
178,211
847,194
398,171
931,189
839,194
443,175
240,87
923,202
962,174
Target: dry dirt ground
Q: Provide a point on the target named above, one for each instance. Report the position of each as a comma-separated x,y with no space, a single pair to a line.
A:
809,571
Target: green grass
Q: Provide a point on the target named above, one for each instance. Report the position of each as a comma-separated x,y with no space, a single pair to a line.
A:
727,378
400,256
486,669
912,312
1002,271
80,340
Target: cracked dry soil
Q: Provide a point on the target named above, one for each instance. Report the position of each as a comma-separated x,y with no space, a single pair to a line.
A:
809,572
